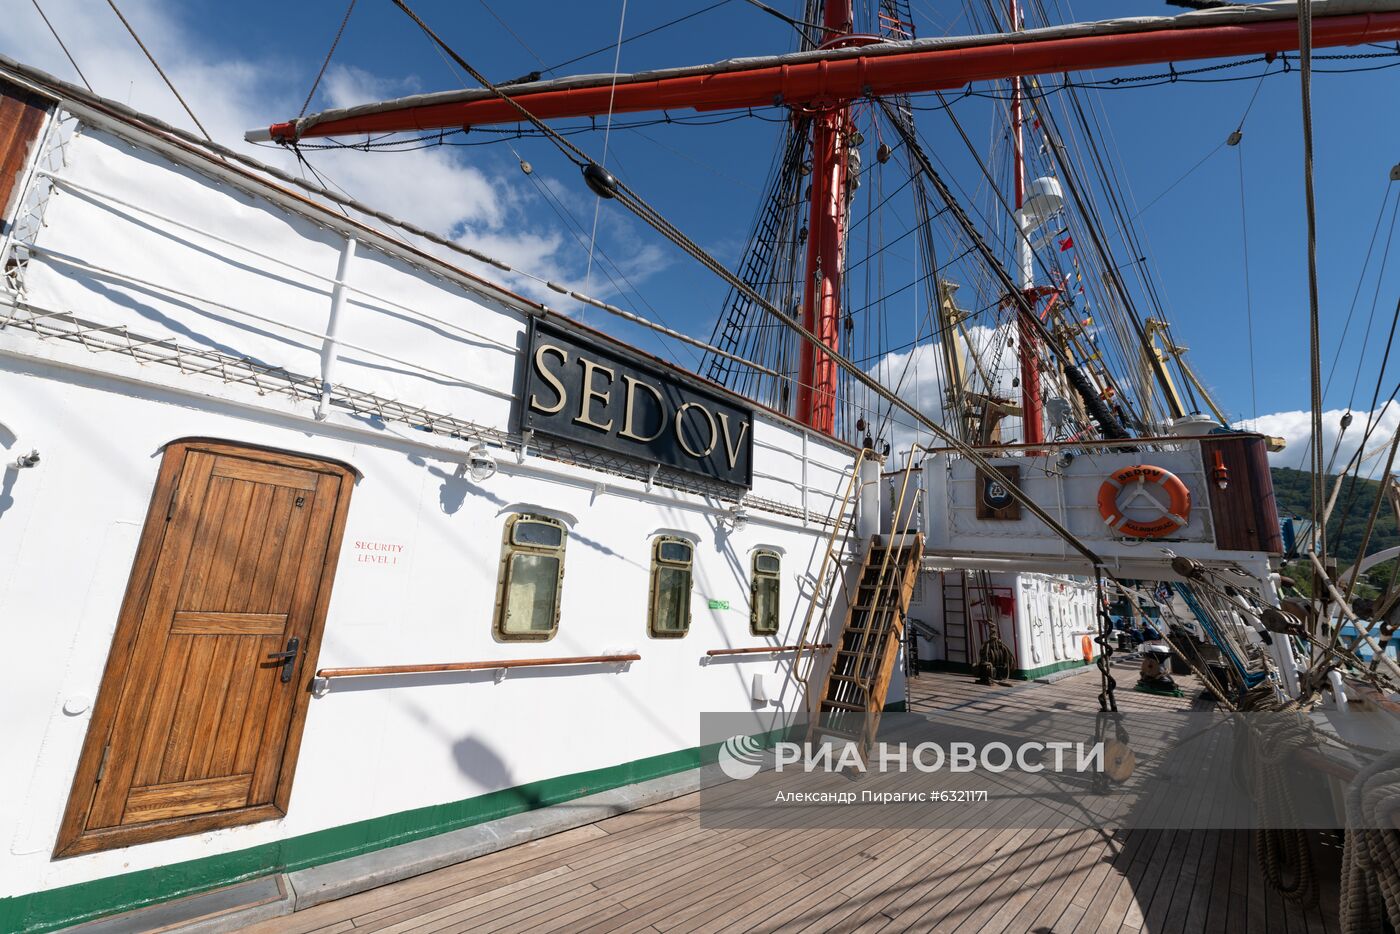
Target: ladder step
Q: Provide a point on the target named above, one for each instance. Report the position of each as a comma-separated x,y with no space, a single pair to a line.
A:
842,705
849,679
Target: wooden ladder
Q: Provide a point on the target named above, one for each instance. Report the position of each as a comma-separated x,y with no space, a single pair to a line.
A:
869,644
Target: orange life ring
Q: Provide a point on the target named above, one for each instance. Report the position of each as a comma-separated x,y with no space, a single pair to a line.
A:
1087,646
1174,515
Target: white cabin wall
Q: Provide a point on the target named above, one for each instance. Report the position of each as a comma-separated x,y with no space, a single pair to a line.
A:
382,745
404,333
927,607
69,528
1053,615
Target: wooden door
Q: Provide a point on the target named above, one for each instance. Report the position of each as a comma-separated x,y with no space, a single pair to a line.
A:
199,715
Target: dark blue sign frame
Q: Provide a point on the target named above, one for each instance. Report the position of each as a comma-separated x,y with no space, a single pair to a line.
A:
581,389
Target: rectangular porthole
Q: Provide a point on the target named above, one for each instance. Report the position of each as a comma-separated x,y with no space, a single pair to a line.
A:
532,571
764,592
671,567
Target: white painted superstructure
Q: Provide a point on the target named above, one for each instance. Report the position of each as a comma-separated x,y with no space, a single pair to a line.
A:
155,293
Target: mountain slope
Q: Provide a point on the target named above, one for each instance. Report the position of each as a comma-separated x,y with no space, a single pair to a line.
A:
1293,492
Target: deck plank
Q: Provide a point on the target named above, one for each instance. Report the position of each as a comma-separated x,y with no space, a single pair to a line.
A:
657,869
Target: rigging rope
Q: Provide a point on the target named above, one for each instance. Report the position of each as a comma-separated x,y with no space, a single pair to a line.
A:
160,71
607,137
640,35
633,202
326,64
54,32
1248,292
516,36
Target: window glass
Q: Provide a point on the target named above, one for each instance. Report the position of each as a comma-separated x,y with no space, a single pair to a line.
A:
532,567
764,592
537,534
670,587
674,551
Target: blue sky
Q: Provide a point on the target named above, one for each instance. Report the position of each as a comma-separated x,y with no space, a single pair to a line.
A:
252,63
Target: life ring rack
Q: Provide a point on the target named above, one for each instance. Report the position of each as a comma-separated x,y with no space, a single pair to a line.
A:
1174,515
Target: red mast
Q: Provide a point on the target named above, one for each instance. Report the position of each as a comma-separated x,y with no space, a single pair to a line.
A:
826,234
1032,421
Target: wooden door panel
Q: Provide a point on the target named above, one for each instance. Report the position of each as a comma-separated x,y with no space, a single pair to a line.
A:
200,722
157,730
304,585
260,595
148,653
211,590
206,536
266,474
184,798
188,622
175,752
248,654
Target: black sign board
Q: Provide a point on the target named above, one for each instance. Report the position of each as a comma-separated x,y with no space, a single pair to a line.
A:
579,389
996,500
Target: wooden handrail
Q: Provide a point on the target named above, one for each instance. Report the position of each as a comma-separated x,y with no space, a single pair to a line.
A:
1093,443
819,583
769,648
473,666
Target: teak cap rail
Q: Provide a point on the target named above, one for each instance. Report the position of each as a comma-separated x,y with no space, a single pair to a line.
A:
767,648
1096,443
325,674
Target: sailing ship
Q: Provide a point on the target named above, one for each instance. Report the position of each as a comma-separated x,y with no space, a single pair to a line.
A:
325,550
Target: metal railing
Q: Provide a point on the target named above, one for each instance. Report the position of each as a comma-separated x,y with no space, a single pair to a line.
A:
771,649
321,682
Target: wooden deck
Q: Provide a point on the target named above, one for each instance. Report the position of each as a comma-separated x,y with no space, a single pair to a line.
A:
657,870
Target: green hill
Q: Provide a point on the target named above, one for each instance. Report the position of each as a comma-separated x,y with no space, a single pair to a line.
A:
1293,492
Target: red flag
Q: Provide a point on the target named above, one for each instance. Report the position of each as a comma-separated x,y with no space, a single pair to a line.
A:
1066,244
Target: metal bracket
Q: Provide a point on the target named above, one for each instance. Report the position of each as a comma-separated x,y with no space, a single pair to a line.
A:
501,674
320,687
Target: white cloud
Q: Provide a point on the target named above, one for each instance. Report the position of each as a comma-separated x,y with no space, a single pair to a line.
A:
916,376
485,205
1296,429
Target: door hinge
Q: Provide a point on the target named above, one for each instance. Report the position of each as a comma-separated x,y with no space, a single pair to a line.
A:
170,509
102,765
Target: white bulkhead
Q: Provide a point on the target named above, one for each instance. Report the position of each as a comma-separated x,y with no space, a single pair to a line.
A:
156,295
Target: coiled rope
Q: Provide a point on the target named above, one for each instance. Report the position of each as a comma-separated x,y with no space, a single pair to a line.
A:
1268,744
1371,856
994,656
1281,847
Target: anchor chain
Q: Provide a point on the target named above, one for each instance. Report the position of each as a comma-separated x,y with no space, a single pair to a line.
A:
1108,703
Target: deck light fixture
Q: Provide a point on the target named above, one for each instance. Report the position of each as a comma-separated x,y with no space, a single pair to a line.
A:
480,464
1220,473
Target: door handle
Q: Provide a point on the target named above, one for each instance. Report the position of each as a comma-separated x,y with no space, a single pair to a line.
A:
288,658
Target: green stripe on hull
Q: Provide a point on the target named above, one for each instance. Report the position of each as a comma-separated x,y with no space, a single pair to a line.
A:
56,908
1020,674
